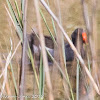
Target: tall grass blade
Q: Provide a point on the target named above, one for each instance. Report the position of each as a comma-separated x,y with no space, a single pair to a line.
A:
89,65
33,66
67,78
22,7
53,24
14,80
18,12
24,54
43,17
41,84
77,81
17,25
42,42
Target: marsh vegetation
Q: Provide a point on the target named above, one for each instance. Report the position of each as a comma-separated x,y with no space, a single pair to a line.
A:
26,76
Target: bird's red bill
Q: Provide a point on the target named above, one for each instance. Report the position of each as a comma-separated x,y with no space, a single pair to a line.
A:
84,36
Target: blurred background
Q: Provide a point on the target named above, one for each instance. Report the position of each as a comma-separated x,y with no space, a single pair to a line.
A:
71,18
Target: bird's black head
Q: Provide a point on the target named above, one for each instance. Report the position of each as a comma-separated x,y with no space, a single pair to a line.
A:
79,32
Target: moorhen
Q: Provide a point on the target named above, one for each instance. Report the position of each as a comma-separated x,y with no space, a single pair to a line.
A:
77,35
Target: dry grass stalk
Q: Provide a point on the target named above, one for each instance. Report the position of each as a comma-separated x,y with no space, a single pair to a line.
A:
4,72
94,49
6,85
60,48
91,28
8,89
42,42
72,46
94,33
24,55
10,17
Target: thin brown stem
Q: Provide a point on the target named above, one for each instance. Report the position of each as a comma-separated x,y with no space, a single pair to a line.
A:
42,42
24,56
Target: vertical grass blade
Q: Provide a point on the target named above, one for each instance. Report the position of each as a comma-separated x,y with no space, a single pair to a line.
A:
47,26
67,78
18,12
33,66
13,77
22,7
89,65
24,54
43,50
17,25
41,84
77,81
54,27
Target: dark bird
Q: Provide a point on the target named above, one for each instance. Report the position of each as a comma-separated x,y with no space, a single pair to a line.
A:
79,37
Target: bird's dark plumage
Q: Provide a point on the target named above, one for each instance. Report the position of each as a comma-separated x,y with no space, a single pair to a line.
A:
69,54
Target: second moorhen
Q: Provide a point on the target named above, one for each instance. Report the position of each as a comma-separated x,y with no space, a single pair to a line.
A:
79,37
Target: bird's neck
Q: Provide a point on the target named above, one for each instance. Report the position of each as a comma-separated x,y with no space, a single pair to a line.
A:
79,45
